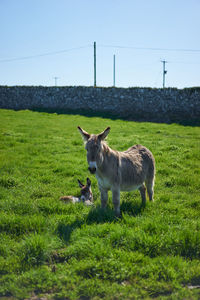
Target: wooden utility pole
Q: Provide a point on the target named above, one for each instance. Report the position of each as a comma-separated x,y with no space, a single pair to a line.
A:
95,82
114,70
164,72
56,78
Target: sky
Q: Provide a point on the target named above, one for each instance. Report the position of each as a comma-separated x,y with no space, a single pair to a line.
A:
44,39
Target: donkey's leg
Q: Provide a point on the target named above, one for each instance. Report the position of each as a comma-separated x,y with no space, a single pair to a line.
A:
104,198
142,190
116,201
150,188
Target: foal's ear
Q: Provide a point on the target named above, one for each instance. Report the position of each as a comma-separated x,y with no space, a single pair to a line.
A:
80,183
88,182
84,134
104,134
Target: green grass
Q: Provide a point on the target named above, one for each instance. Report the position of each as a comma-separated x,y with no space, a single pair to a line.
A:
58,251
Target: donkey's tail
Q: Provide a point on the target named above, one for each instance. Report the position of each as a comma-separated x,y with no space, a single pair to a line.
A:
150,180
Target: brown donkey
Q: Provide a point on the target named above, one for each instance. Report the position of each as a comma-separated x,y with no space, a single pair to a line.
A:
86,194
119,171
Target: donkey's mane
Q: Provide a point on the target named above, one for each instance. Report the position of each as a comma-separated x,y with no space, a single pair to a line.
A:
107,149
105,146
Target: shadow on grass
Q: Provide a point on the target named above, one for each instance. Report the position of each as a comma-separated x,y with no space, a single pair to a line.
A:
64,231
137,117
132,208
98,215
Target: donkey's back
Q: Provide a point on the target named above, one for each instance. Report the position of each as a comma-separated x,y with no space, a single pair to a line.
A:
136,167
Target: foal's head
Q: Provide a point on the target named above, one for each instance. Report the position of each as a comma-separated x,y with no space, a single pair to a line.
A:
93,146
86,191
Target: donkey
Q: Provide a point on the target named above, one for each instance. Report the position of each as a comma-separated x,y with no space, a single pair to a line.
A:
86,194
119,171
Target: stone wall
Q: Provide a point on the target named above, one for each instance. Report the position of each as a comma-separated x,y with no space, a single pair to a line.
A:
144,104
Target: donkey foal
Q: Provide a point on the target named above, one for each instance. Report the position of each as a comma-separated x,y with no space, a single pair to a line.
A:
86,194
119,171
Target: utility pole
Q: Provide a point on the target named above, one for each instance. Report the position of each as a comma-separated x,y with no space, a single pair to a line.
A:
114,70
95,83
164,72
55,78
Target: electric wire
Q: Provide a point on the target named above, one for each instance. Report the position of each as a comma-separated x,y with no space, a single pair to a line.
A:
152,49
105,46
43,54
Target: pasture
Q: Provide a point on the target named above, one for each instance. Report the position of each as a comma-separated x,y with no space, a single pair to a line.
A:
53,250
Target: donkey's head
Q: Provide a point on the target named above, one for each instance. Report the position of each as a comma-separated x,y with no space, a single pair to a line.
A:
86,191
93,145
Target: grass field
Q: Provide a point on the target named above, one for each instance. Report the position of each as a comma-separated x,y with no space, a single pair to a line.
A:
49,249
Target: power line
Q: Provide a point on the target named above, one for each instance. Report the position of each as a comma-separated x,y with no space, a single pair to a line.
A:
152,49
184,62
43,54
106,46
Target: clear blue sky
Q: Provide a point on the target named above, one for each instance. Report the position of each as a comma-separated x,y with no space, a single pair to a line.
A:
36,27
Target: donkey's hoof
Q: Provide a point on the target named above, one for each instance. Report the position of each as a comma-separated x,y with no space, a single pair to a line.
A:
88,203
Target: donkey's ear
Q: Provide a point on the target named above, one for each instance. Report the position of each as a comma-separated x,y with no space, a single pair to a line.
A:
80,184
88,182
84,134
104,134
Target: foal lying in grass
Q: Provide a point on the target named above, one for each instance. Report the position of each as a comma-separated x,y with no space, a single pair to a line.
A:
86,194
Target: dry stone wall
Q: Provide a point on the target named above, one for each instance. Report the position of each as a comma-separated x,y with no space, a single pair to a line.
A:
144,104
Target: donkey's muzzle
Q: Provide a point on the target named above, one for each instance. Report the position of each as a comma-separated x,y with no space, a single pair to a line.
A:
92,170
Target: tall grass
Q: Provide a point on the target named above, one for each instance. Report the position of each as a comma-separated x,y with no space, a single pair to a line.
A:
58,251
